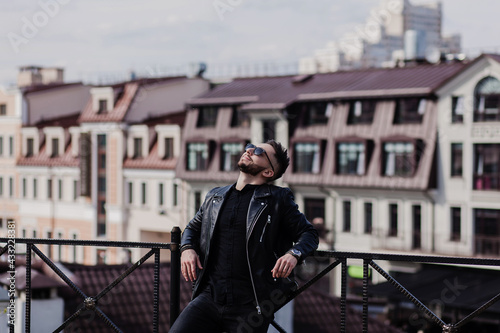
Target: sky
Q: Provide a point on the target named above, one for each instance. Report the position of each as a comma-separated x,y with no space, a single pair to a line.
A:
91,38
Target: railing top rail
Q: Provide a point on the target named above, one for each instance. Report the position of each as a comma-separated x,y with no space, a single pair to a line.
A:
409,258
79,242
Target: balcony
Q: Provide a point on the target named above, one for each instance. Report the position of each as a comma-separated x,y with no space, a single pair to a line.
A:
165,303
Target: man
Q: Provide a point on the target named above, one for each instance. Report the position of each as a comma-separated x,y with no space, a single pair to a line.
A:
241,247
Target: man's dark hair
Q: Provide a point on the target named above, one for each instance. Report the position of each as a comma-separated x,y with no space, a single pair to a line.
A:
281,155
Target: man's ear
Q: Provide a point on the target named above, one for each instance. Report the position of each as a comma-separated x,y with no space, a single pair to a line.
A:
268,173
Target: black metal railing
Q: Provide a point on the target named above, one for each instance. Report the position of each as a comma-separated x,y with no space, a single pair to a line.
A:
334,259
90,303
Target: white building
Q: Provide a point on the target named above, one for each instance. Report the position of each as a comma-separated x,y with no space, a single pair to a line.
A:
395,31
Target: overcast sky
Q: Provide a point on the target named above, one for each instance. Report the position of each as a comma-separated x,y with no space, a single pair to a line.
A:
87,37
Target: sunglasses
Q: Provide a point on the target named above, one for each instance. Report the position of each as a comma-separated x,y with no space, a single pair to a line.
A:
259,151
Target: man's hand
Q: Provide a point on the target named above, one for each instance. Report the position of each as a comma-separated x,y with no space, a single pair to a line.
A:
189,262
284,266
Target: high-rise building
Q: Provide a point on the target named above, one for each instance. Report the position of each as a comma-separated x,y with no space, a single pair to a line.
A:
395,31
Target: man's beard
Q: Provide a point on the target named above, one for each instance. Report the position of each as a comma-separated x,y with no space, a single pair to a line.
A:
251,169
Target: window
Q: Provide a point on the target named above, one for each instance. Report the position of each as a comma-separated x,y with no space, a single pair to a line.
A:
55,147
197,200
399,159
160,195
49,188
101,257
102,161
60,189
351,159
417,226
59,248
143,193
103,106
455,224
102,207
268,129
487,167
230,156
75,190
24,188
11,146
130,192
197,156
11,187
456,159
207,116
169,148
487,231
29,147
1,186
240,118
75,253
346,227
317,113
101,140
368,210
1,145
314,209
3,109
410,110
393,220
457,109
361,112
137,148
175,198
35,188
101,184
306,158
487,100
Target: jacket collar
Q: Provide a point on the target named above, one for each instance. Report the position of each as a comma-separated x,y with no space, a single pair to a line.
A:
261,191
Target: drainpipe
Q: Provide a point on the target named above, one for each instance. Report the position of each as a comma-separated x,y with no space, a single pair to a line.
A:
433,220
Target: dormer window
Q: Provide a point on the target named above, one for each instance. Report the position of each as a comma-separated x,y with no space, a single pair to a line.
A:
197,156
30,144
361,112
410,110
169,148
103,106
240,118
55,147
137,148
207,116
317,113
230,156
102,99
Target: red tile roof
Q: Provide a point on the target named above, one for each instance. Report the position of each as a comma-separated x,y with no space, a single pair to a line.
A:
42,159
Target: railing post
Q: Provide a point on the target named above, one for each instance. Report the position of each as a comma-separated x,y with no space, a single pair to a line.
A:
175,274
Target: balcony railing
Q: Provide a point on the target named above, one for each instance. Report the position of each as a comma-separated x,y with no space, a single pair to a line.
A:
335,259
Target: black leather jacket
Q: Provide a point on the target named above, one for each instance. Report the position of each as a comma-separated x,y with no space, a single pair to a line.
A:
274,226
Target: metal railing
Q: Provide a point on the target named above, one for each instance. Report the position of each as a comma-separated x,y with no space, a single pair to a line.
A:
334,259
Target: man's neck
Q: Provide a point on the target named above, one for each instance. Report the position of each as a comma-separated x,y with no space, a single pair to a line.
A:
245,179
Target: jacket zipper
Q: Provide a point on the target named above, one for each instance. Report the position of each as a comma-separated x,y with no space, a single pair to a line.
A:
248,260
265,226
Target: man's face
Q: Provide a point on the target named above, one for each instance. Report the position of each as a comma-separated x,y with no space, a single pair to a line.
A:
253,164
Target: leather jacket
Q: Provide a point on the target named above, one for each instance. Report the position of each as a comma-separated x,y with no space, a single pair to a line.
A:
274,226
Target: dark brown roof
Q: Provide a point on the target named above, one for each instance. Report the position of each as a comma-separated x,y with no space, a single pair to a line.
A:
64,121
318,312
42,87
278,92
38,279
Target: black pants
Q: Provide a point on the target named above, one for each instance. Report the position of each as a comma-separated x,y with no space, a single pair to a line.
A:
204,315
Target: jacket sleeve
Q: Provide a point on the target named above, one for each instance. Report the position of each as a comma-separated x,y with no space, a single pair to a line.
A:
303,234
191,235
